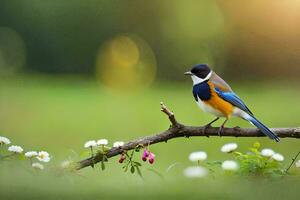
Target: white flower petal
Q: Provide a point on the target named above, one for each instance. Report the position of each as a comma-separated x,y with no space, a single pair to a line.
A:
278,157
118,144
38,166
298,164
227,148
195,172
31,154
15,149
4,140
198,156
230,165
43,156
102,142
91,143
267,152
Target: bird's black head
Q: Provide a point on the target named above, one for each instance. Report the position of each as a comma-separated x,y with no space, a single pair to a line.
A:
200,70
199,73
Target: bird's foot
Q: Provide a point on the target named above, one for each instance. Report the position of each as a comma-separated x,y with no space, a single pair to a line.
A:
206,127
220,131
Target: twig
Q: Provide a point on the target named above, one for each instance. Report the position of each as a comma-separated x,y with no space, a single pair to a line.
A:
293,161
170,114
179,130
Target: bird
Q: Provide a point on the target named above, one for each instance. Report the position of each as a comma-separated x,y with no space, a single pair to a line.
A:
213,95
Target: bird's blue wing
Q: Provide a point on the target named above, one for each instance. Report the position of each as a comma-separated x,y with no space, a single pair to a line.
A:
232,98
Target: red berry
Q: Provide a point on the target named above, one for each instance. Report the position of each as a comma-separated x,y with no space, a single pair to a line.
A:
122,158
151,161
144,158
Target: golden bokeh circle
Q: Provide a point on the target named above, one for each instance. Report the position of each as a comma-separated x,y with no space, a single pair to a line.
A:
126,63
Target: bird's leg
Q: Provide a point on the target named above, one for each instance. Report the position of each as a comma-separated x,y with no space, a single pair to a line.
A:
209,125
222,127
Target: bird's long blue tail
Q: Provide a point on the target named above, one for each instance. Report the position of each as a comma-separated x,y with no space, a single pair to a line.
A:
263,128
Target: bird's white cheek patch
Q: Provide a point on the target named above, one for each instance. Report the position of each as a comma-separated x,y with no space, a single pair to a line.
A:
196,79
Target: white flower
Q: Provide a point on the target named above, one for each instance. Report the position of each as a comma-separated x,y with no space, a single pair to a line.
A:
298,163
4,140
267,152
118,144
38,166
91,143
228,148
278,157
102,142
230,165
195,172
198,156
15,149
31,154
43,156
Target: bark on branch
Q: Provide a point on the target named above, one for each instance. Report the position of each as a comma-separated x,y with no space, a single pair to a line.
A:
179,130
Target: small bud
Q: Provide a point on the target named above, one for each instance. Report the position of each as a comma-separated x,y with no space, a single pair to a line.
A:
122,158
146,153
151,158
151,161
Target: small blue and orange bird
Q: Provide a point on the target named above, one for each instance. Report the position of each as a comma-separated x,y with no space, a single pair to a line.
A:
214,95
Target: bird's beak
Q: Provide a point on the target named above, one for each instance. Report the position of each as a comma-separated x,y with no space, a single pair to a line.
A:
188,73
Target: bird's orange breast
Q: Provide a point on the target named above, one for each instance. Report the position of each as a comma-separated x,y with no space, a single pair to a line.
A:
218,103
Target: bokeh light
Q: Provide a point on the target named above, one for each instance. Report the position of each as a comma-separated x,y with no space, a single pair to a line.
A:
12,51
125,63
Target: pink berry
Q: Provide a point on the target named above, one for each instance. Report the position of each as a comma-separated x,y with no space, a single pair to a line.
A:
144,158
146,153
151,158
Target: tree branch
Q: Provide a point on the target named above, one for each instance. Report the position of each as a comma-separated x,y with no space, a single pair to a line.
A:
179,130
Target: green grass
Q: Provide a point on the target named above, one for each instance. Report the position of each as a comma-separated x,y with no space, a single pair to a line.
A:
60,114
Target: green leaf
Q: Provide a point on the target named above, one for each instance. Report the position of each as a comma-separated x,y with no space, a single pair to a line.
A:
126,168
139,171
238,153
132,169
217,162
106,148
137,163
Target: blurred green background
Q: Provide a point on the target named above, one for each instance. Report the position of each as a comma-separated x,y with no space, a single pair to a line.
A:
71,71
